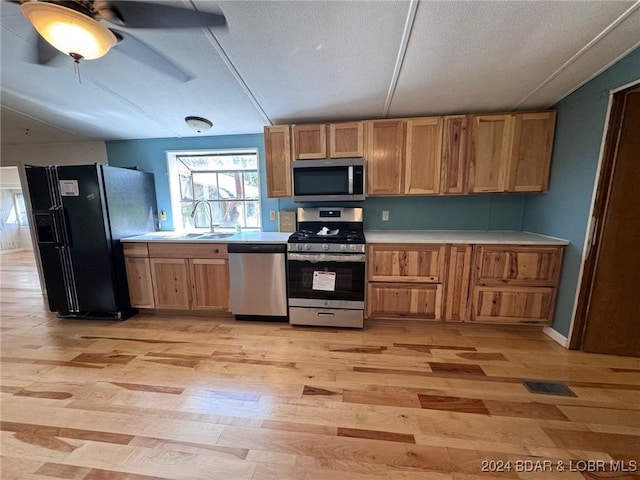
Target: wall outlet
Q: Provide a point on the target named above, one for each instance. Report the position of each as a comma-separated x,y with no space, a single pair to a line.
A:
385,215
163,215
272,214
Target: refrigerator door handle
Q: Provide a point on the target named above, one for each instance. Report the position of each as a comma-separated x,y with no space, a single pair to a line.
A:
60,230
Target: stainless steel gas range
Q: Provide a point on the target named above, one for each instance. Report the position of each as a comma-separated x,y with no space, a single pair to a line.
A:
326,268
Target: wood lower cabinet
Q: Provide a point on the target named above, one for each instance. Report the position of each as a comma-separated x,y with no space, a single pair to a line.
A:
179,276
524,305
138,268
412,300
209,284
458,280
508,284
405,280
170,277
515,283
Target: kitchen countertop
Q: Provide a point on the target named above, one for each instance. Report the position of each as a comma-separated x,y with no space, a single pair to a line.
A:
461,237
244,237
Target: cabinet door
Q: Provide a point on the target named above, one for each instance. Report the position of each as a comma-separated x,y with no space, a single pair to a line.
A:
346,140
423,153
170,278
406,263
531,266
385,141
454,155
531,157
405,300
523,305
209,284
277,145
309,141
490,152
458,280
139,281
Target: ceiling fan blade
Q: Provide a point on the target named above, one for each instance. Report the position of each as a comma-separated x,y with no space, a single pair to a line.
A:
155,15
143,53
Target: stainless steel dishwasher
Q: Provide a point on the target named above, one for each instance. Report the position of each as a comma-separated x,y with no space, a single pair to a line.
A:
258,275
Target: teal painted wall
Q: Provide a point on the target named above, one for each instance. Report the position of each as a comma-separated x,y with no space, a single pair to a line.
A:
149,155
564,210
471,212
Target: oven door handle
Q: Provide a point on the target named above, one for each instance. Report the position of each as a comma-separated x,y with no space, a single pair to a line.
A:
350,174
323,257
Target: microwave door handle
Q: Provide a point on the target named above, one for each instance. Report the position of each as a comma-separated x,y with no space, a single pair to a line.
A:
350,179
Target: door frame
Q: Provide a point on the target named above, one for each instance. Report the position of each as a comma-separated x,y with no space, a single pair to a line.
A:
599,202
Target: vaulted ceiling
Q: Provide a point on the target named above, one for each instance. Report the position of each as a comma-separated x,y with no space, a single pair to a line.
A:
301,61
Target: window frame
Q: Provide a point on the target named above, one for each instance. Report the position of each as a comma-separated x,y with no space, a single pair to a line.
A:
174,180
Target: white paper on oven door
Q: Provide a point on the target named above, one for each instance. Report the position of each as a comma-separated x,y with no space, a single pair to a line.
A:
324,281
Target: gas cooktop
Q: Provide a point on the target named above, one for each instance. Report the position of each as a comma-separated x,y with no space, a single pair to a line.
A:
332,236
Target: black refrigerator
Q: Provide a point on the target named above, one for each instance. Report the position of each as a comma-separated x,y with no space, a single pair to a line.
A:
80,213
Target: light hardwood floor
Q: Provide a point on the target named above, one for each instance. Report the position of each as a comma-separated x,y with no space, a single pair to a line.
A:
182,397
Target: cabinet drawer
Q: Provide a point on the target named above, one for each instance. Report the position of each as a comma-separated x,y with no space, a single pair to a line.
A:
405,300
184,250
406,263
530,266
135,249
521,305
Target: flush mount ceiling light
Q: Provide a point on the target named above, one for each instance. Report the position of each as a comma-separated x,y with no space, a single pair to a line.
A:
69,31
198,124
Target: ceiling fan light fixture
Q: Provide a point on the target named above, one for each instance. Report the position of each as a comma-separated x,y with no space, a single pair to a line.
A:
71,32
198,124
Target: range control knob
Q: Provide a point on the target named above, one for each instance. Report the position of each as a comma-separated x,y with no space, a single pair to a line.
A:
352,248
343,247
325,247
307,246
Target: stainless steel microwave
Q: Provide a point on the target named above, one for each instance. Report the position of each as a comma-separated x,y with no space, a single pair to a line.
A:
339,179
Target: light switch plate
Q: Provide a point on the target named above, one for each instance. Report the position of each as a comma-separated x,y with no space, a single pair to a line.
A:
272,214
385,215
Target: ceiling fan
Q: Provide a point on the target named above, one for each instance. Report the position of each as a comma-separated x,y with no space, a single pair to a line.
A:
76,28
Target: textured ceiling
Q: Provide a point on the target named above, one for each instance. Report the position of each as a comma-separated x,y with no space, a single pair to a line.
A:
301,61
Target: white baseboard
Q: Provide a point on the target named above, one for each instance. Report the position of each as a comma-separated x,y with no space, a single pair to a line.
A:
556,336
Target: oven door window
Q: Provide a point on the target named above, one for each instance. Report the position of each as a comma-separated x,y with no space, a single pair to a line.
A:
349,280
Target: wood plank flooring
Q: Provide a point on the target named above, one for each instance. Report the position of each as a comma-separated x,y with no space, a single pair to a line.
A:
178,397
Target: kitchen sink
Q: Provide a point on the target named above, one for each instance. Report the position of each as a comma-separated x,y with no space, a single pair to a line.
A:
212,236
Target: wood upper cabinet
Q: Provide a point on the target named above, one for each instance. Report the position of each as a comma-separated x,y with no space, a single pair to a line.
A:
510,153
454,155
346,140
138,267
423,154
277,143
309,141
490,151
531,158
384,149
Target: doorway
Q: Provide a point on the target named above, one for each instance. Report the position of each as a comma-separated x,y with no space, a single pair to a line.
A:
606,314
14,219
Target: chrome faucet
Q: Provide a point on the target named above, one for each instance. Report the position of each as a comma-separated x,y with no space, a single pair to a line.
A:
193,213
